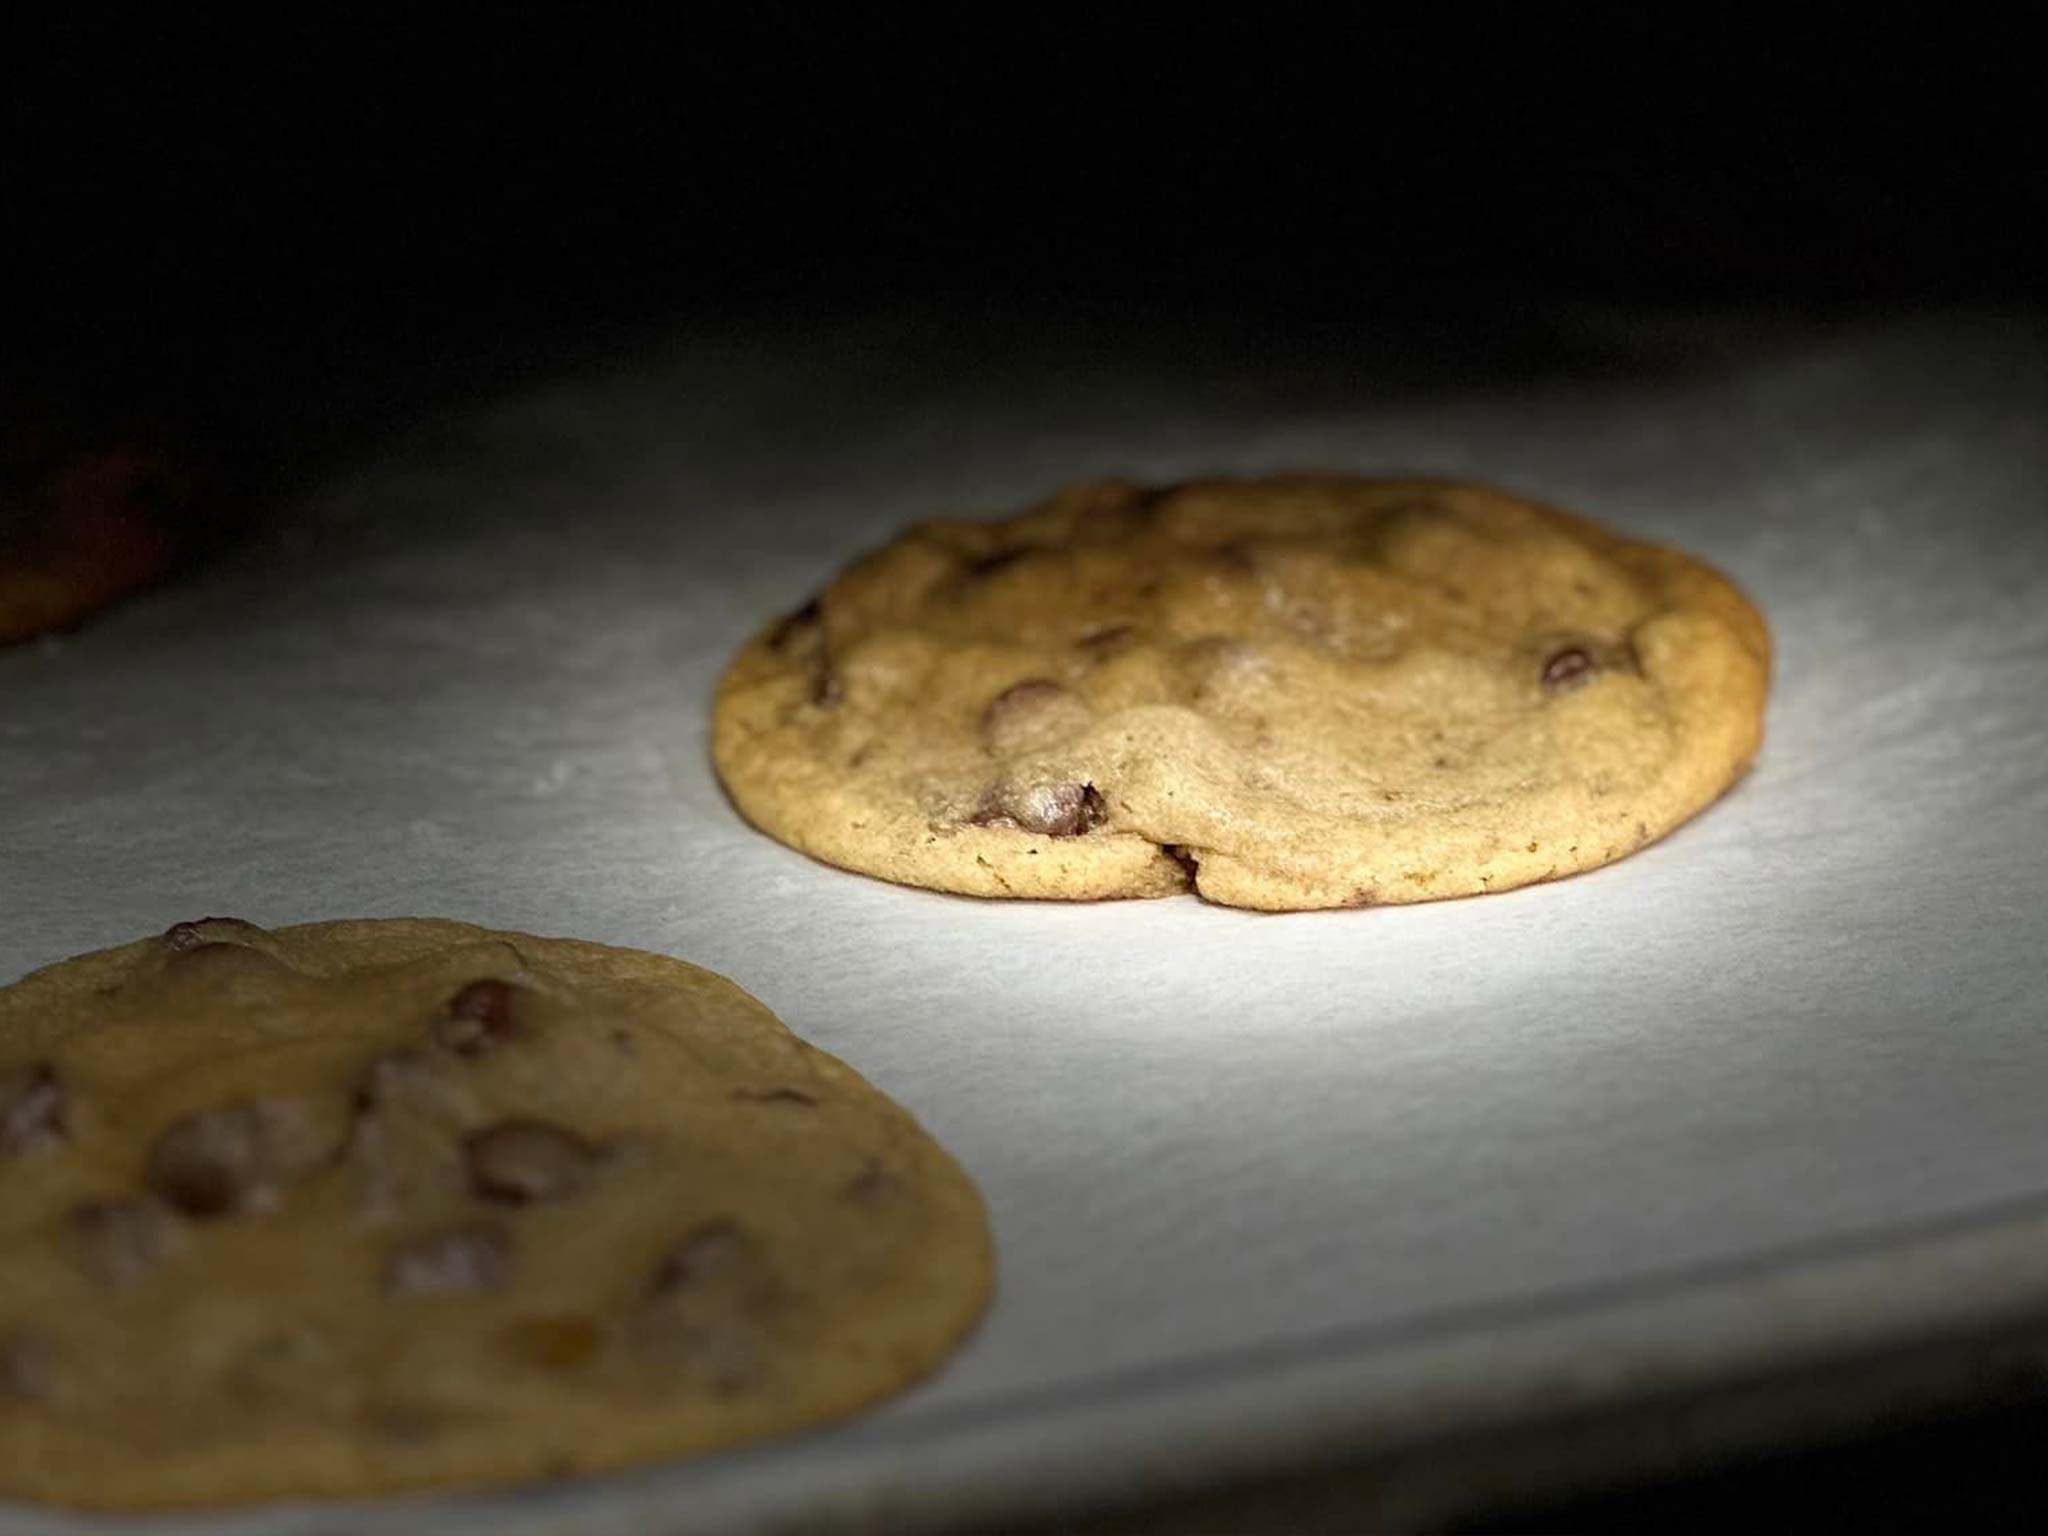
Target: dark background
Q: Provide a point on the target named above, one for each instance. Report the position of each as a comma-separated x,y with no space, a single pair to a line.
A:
297,240
301,235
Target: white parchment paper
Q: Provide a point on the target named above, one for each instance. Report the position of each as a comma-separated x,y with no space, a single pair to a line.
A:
1221,1150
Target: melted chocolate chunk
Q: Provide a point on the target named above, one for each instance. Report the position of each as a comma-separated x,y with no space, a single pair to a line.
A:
456,1261
1568,669
1025,712
481,1017
1056,810
988,565
1031,695
774,1096
713,1251
183,936
1018,705
1073,819
1236,557
703,1307
871,1186
221,1162
519,1162
1104,643
121,1242
32,1109
396,1087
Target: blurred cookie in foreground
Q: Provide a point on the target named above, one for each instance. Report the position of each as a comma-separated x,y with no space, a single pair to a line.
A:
90,517
1285,693
364,1206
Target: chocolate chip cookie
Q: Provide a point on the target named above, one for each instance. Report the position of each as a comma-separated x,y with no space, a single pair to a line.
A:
362,1206
1283,694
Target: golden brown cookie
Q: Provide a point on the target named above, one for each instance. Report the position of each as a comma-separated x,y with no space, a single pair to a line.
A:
363,1206
1287,693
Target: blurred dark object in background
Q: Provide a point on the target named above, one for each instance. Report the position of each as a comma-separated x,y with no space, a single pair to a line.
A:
93,509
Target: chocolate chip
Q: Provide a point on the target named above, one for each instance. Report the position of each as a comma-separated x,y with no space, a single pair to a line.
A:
801,637
481,1017
456,1261
714,1250
872,1185
217,948
988,565
184,936
28,1367
1568,669
121,1242
521,1161
401,1095
774,1096
1057,810
216,957
32,1109
1033,693
702,1305
1026,713
222,1162
1104,643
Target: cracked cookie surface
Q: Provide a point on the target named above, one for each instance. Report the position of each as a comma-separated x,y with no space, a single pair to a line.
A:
1287,693
363,1206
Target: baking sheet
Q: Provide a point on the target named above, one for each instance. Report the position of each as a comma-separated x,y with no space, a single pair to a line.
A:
1264,1187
